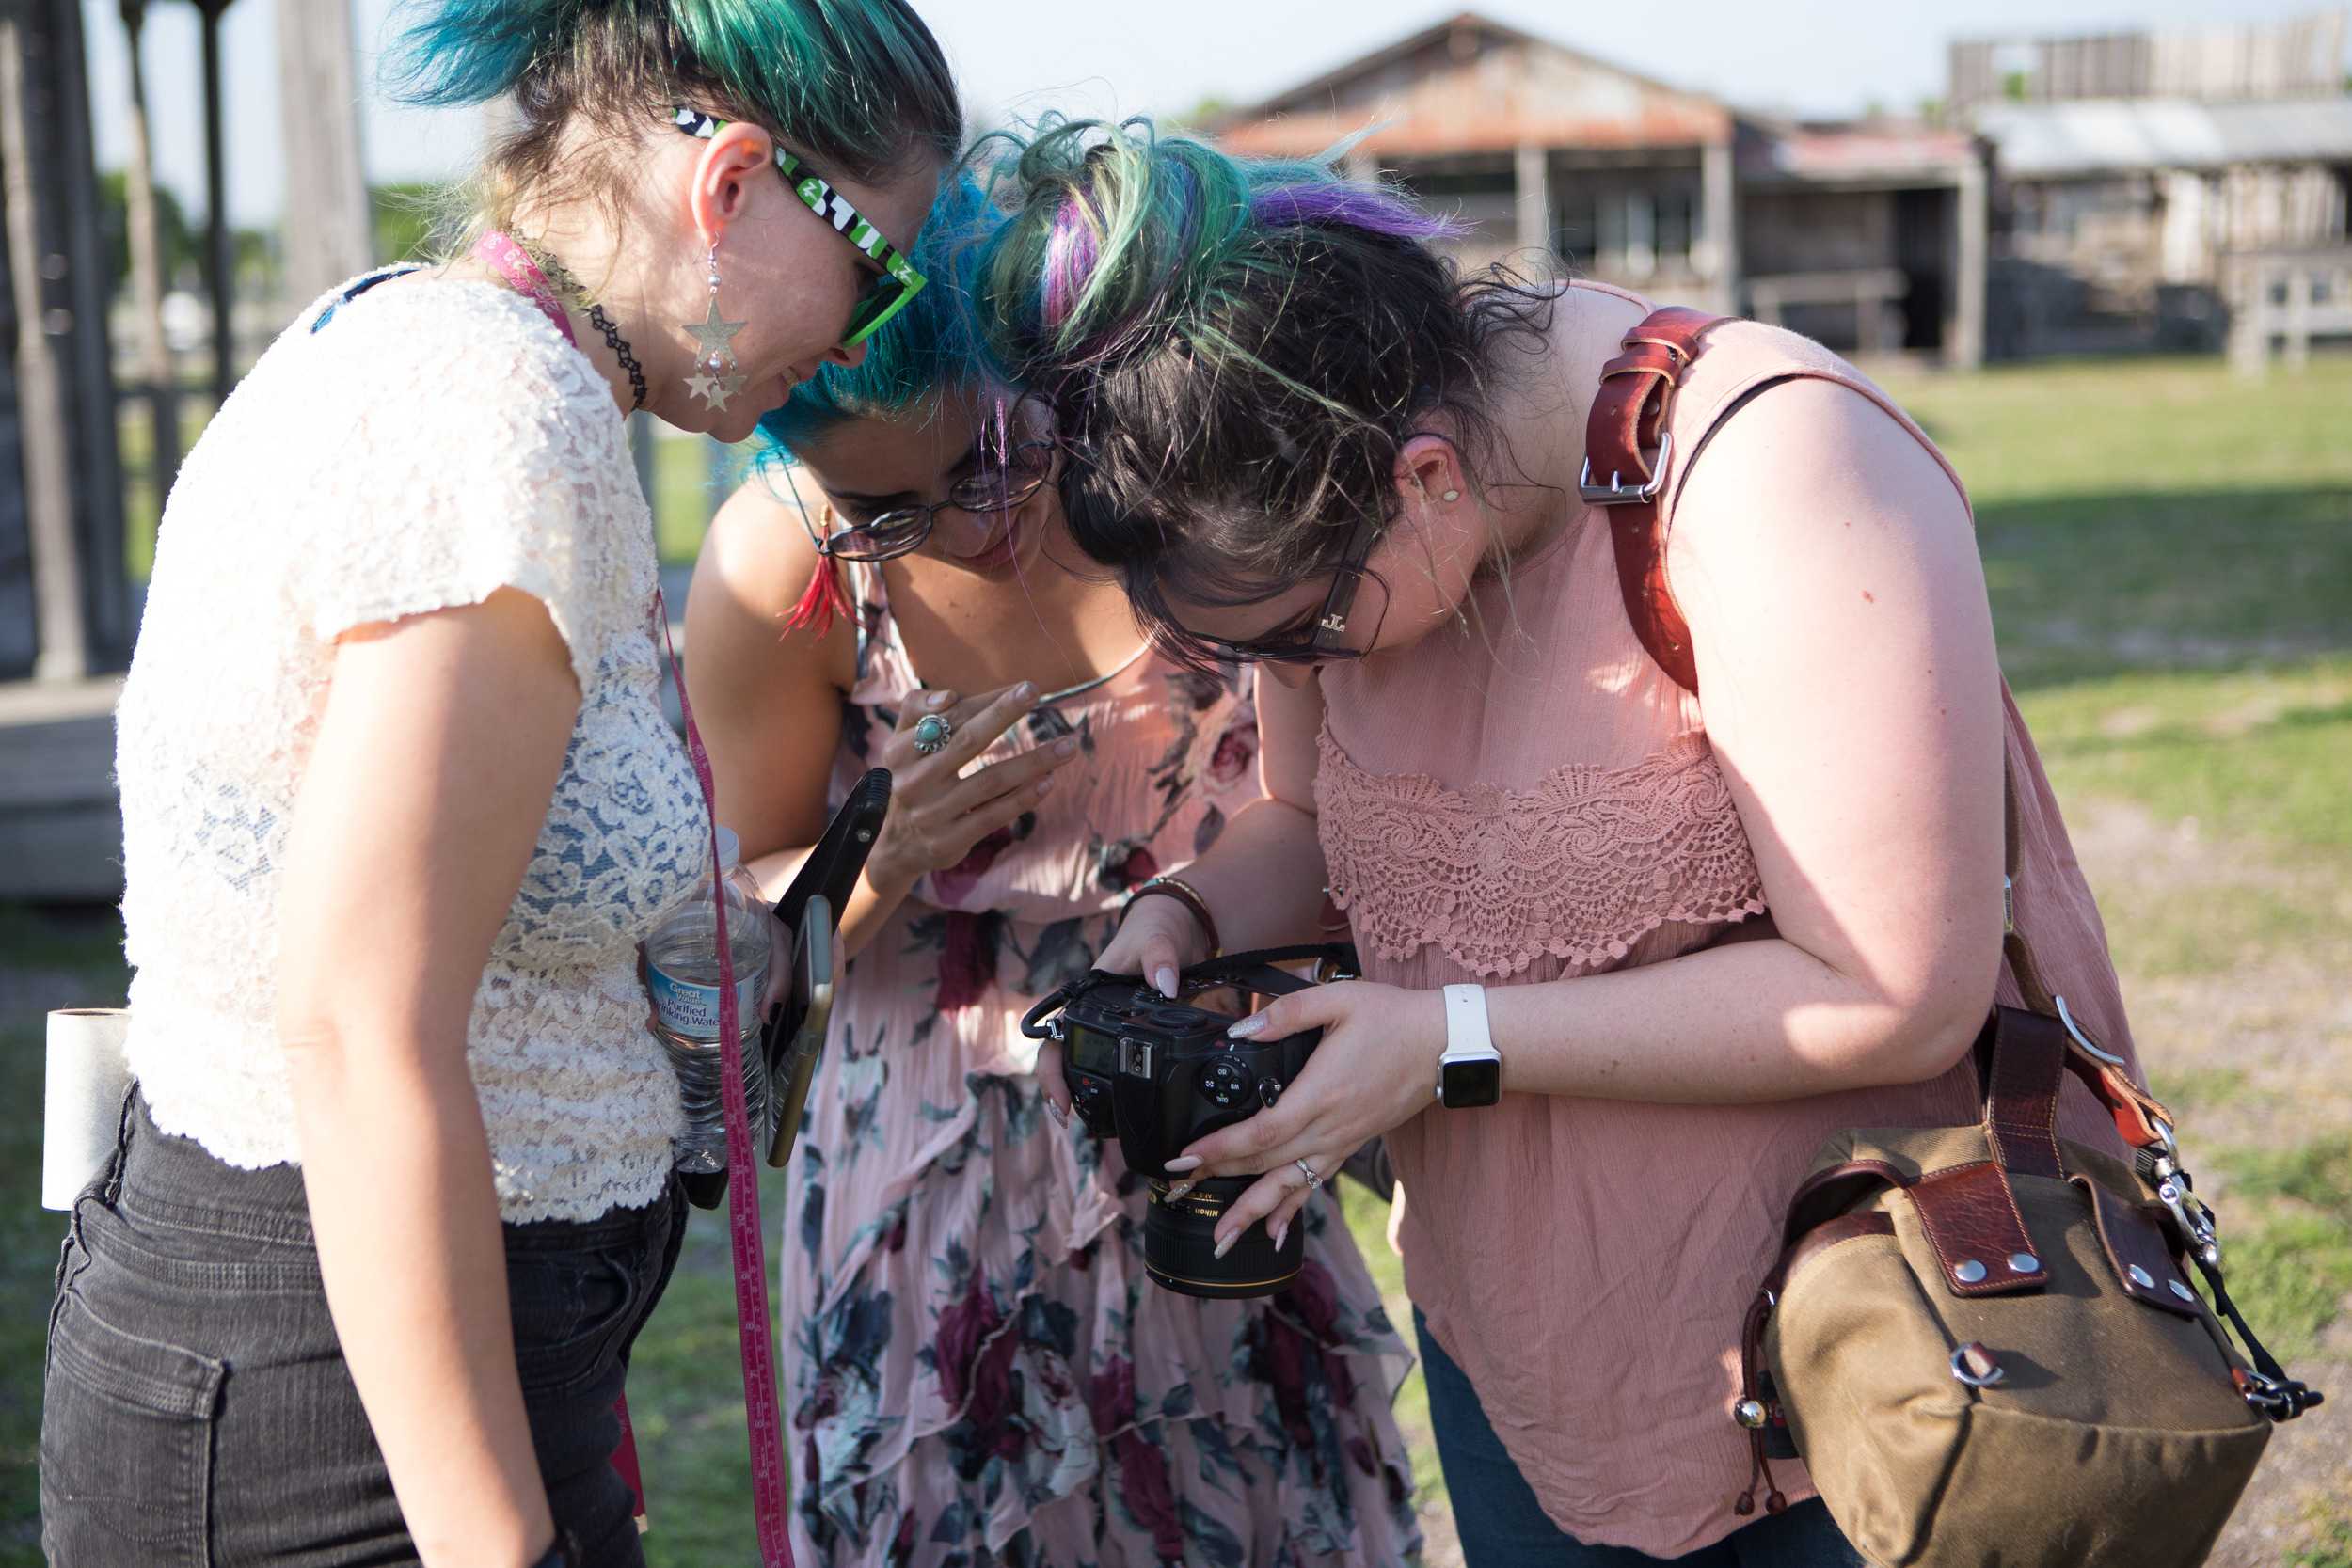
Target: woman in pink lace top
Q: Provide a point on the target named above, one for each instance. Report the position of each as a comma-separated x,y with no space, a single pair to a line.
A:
1701,936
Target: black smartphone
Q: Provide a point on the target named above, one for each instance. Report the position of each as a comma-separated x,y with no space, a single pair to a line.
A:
833,867
800,1028
831,872
819,890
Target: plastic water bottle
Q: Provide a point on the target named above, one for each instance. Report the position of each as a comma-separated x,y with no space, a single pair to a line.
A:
682,975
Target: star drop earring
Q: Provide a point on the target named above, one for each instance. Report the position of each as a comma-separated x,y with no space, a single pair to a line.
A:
715,378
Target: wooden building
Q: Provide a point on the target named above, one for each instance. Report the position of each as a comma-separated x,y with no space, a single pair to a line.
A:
1868,237
2157,190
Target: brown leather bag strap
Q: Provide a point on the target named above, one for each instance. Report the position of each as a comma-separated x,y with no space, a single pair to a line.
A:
1626,438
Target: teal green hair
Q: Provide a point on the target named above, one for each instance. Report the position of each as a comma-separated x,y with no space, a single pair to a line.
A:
934,343
856,83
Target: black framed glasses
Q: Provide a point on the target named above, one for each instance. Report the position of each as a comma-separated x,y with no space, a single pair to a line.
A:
901,528
1346,626
890,290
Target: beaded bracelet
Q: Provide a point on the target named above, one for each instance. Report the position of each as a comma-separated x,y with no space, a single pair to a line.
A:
1185,894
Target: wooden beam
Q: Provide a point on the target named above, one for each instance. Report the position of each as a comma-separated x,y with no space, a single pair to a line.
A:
1719,224
220,261
329,235
1964,344
146,265
71,482
1532,183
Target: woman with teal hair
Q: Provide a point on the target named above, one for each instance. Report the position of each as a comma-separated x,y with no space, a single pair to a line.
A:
978,1367
396,1191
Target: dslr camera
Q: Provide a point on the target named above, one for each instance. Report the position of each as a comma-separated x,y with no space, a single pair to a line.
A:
1159,1074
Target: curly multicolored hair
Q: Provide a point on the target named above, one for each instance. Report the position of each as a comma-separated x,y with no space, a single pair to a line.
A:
1236,349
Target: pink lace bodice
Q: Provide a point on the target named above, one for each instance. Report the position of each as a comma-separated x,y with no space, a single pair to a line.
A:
1576,868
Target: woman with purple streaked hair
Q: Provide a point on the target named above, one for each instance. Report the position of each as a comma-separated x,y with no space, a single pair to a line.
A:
1629,958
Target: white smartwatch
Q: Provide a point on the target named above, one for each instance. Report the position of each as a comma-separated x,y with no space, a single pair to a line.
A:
1471,1071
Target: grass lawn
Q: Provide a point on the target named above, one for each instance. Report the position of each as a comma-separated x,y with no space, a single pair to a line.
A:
2169,555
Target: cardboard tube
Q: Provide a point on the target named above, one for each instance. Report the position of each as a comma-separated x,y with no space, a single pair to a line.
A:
82,1099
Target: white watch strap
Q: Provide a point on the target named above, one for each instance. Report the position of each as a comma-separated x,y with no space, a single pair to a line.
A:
1465,1030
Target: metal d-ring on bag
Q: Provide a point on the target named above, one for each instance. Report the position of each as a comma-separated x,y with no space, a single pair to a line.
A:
1984,1340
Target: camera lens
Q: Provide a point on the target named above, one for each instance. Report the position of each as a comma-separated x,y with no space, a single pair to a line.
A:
1179,1244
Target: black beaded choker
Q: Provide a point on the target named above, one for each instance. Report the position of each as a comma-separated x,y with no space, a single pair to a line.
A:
577,297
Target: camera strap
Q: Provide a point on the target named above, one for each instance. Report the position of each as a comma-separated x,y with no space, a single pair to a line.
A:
762,1414
1259,971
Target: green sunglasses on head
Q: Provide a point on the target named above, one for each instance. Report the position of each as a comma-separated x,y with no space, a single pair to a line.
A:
897,283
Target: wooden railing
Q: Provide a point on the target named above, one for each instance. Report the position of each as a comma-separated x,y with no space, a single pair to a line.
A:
2281,300
1874,293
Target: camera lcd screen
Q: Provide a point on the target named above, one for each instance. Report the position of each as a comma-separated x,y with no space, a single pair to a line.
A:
1092,1051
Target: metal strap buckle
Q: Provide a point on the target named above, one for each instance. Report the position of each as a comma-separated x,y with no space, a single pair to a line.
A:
1614,493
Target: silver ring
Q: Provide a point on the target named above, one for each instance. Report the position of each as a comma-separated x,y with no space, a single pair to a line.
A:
1313,1181
932,733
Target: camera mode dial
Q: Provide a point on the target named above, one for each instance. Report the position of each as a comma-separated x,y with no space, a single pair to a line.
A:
1225,1084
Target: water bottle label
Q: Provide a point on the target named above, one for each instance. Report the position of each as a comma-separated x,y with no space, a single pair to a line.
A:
691,1009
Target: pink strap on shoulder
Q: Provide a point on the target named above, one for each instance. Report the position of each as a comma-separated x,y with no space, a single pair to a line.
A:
497,251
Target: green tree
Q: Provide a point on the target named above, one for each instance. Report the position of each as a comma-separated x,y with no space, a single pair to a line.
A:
177,241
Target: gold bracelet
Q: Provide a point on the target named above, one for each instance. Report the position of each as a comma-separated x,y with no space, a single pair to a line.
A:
1185,894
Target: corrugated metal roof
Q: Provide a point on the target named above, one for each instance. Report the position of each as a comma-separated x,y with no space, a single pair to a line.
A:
2100,135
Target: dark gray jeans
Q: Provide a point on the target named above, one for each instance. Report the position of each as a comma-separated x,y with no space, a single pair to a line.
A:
197,1406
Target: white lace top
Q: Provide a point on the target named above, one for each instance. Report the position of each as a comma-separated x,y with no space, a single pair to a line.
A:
434,443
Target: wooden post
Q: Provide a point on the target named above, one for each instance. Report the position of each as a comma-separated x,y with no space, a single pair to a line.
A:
146,265
2298,319
1719,220
1964,345
220,261
71,484
329,235
1532,181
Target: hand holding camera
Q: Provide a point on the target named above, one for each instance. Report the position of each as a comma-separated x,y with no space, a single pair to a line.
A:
1163,1075
1377,1058
936,813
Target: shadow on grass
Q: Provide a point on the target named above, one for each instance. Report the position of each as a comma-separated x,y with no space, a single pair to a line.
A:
2096,585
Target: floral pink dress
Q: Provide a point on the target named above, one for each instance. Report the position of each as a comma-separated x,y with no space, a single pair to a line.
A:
978,1370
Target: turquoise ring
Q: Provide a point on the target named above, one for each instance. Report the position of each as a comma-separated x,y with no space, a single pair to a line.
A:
932,733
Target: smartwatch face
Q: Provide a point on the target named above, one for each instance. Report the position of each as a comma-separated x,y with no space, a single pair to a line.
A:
1476,1082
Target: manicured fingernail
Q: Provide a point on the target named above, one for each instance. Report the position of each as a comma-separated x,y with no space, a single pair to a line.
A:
1176,1194
1066,747
1223,1247
1247,1028
1181,1163
939,699
1165,978
1061,1116
1023,692
1044,787
1280,1231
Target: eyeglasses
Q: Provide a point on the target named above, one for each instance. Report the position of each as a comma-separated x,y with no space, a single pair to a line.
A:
904,528
1358,599
888,291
